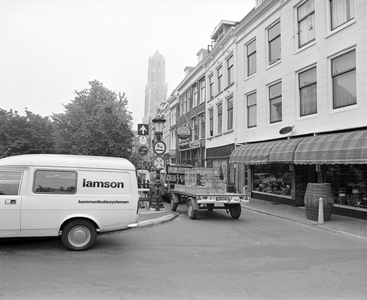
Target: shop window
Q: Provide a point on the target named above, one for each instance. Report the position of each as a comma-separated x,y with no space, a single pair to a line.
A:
272,179
344,79
306,23
251,58
275,99
342,11
274,43
251,110
308,92
349,184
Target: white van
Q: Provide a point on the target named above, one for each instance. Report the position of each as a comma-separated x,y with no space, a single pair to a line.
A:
73,196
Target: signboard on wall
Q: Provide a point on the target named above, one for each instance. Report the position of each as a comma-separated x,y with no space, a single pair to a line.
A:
183,133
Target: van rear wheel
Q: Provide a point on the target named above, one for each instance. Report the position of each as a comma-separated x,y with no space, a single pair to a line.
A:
78,235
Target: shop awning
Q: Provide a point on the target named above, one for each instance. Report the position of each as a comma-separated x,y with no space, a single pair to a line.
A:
342,148
252,154
283,151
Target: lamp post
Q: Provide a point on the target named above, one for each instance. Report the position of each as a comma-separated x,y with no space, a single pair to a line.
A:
159,148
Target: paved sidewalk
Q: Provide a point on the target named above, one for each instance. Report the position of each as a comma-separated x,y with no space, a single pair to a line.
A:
339,224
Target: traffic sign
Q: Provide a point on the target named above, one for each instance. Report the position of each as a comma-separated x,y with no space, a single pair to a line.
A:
143,140
143,129
159,148
143,150
158,162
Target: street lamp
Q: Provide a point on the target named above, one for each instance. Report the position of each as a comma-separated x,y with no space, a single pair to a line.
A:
158,123
159,148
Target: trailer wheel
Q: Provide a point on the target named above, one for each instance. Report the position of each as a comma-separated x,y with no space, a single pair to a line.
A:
173,204
78,235
190,210
235,211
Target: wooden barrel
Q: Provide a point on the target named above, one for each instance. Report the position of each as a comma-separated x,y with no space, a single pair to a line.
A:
314,192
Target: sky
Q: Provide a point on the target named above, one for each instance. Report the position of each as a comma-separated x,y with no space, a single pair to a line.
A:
51,48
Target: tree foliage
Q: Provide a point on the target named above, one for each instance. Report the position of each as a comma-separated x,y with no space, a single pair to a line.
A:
96,122
25,134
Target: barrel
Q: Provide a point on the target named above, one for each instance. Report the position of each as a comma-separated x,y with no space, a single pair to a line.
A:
314,192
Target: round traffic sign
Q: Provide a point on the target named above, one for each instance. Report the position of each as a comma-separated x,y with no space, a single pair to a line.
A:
143,140
159,148
143,150
158,162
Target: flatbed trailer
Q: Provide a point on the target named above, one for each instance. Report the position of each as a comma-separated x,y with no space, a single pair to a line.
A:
199,201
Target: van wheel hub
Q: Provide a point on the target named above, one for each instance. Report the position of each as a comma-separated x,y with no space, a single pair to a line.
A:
79,236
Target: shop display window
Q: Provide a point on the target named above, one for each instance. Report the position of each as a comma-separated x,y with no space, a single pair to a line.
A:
349,184
273,179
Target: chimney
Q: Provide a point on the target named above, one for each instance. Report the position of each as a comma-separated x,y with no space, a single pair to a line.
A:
188,70
202,54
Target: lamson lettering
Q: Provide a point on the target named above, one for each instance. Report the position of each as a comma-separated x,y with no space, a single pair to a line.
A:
103,184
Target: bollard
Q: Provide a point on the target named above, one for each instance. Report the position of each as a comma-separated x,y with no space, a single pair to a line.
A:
321,211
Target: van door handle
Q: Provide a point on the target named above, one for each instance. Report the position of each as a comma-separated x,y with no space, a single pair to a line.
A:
10,201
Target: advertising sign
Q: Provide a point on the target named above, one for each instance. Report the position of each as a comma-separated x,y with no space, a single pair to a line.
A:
183,132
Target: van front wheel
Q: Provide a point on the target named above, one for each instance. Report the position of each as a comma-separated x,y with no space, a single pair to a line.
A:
78,235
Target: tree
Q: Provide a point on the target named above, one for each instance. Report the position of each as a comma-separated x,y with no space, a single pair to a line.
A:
96,122
25,134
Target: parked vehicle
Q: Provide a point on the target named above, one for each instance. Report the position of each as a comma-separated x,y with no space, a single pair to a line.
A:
75,197
203,190
174,174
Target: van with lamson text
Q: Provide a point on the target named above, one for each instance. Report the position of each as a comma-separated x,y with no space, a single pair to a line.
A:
75,197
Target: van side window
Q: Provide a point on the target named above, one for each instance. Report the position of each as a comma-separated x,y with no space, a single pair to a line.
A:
54,182
9,182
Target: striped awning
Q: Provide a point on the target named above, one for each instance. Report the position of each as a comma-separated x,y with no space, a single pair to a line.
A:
341,148
283,151
252,154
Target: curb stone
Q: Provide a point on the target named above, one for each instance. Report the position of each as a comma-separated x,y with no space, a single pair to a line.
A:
160,220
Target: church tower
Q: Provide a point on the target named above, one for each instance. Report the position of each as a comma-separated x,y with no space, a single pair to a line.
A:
156,88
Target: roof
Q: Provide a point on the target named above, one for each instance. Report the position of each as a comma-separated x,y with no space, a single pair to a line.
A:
64,160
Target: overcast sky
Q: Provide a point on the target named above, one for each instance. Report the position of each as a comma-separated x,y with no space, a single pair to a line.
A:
50,48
